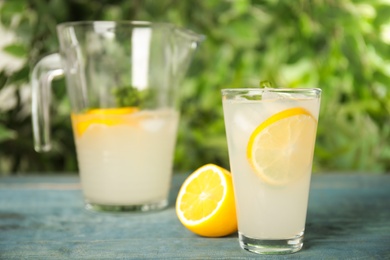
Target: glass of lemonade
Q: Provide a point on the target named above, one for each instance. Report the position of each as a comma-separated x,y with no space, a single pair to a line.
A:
122,80
271,136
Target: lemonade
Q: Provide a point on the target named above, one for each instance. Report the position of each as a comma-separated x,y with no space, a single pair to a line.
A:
125,156
271,136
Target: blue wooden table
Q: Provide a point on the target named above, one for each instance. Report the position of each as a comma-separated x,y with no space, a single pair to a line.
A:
42,217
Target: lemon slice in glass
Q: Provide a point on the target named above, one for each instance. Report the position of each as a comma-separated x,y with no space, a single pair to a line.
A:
280,149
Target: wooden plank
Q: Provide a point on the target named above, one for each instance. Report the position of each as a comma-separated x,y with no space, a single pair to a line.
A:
43,217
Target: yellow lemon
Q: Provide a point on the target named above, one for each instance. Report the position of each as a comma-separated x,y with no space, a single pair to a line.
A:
106,116
205,203
280,149
113,111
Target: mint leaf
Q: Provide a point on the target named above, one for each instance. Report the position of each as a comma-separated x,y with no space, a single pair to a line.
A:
130,96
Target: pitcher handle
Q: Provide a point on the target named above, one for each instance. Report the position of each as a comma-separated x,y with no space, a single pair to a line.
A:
44,72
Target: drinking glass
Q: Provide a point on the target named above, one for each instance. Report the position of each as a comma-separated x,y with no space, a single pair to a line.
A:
271,136
122,80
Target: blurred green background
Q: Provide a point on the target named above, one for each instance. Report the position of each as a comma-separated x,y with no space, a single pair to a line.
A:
340,46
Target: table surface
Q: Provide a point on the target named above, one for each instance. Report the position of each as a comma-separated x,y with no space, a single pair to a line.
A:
43,217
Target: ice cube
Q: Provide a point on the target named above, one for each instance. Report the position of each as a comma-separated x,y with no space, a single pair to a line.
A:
248,117
153,125
245,122
270,93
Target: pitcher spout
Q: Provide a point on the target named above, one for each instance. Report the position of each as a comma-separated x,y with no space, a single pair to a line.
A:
190,36
185,44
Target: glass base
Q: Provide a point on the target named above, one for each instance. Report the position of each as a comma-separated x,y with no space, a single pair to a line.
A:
147,207
269,247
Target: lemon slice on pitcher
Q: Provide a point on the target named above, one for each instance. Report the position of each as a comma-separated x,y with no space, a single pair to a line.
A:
112,111
280,149
105,116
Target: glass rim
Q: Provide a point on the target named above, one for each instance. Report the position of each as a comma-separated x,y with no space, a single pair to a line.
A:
271,89
317,91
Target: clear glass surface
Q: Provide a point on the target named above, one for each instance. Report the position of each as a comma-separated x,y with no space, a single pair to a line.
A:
272,193
122,81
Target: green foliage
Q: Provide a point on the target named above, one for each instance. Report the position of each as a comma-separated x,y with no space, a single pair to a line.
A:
6,134
341,47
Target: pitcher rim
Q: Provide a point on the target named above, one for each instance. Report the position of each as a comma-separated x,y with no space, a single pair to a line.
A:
195,36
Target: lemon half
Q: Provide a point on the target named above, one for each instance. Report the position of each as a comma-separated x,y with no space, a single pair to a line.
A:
205,203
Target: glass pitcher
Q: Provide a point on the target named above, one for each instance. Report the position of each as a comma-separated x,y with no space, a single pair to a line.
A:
122,80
